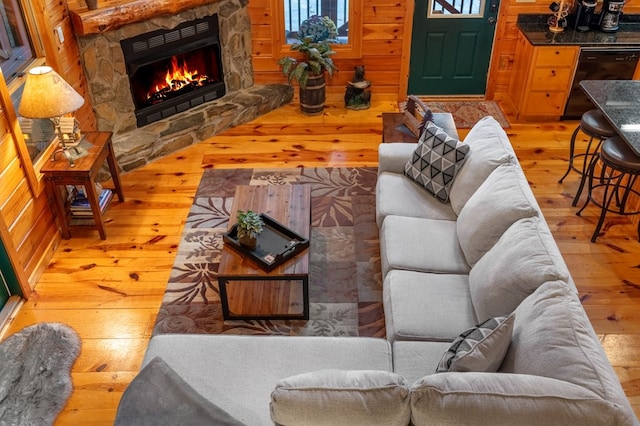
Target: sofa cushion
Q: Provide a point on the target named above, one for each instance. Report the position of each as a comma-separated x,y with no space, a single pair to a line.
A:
489,399
159,396
490,147
502,199
436,161
333,397
425,306
481,348
524,258
397,195
407,243
238,373
552,337
413,359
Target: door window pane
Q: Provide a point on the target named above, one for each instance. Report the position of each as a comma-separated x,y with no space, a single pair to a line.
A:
456,8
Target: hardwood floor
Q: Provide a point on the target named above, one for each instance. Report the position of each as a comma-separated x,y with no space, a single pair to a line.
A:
109,291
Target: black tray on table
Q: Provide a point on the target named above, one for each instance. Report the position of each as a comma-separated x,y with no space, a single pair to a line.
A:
276,243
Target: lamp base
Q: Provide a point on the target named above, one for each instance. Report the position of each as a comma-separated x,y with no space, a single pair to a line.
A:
72,153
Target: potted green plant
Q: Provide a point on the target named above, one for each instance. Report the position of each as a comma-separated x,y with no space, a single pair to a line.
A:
250,225
308,68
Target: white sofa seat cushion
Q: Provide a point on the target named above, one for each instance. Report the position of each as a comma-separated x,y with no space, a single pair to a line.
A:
238,373
501,399
502,199
523,259
398,195
418,244
413,359
334,397
552,337
490,147
425,306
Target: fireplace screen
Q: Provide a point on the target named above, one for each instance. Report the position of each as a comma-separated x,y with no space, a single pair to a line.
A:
172,71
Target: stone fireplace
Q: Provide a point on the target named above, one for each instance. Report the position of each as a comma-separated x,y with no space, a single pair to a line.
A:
171,71
148,127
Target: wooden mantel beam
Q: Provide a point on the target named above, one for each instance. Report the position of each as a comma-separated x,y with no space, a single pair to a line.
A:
112,14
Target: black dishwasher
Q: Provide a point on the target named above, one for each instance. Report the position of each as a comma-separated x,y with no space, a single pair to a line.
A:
598,64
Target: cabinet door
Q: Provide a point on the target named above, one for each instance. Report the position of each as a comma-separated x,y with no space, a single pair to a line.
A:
551,79
546,103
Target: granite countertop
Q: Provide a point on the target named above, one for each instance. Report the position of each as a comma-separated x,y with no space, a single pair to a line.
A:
535,28
619,101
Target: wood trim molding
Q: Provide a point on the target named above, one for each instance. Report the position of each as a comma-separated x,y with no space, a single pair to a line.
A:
114,14
406,50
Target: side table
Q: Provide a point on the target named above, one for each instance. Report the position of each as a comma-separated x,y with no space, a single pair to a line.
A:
393,129
60,172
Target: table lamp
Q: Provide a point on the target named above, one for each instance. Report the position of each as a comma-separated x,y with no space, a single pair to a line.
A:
47,95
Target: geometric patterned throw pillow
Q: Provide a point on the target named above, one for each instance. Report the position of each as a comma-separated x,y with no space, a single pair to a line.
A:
481,348
435,161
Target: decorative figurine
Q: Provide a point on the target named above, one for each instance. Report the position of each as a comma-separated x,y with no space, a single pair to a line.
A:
558,21
357,96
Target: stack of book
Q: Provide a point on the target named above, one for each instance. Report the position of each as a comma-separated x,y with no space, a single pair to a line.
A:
80,204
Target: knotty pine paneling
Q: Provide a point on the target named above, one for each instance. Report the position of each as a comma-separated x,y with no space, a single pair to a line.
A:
382,48
29,231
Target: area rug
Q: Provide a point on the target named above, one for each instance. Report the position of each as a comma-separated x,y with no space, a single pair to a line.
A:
35,373
345,287
467,113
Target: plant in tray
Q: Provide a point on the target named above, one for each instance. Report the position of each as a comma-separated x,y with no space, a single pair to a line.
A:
250,225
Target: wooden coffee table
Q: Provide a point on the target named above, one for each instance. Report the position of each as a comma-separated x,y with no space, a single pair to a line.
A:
246,290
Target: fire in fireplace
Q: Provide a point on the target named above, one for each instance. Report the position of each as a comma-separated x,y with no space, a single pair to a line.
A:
174,70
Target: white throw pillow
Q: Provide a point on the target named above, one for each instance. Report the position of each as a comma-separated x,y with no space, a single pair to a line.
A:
349,397
524,258
479,349
491,147
436,161
499,202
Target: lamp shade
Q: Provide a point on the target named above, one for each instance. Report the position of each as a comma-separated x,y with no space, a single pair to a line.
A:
47,95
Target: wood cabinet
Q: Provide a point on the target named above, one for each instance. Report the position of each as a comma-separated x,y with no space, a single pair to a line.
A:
541,79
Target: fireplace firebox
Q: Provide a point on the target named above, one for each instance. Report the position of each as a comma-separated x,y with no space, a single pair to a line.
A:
173,70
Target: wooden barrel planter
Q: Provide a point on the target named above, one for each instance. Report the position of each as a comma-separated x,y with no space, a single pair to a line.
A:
313,96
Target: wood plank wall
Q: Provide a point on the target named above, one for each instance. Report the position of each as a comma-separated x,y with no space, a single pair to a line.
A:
386,32
27,224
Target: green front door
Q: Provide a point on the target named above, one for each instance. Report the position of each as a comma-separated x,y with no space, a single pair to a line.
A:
451,46
8,280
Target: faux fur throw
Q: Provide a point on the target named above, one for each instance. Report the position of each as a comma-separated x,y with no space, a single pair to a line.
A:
35,373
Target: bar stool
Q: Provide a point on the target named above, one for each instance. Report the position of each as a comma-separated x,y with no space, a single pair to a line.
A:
620,171
594,124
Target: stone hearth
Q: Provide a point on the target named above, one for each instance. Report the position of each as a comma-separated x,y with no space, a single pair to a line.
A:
108,84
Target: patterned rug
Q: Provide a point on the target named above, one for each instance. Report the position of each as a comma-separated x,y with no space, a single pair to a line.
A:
467,113
345,288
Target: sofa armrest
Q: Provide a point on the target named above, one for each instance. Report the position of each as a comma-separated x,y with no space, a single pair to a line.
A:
508,399
392,157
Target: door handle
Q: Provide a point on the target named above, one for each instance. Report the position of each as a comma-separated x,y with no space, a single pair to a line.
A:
491,20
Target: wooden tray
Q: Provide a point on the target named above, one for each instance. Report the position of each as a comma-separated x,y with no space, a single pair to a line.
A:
276,244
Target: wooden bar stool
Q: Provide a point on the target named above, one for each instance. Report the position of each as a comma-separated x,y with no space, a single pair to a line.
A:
620,171
594,124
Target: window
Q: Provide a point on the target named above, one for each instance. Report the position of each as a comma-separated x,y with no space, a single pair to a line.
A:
296,11
346,14
15,48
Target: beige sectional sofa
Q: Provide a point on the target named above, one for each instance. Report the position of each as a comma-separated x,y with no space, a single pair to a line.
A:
488,257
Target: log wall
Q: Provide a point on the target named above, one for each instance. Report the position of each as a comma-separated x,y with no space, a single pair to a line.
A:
27,224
